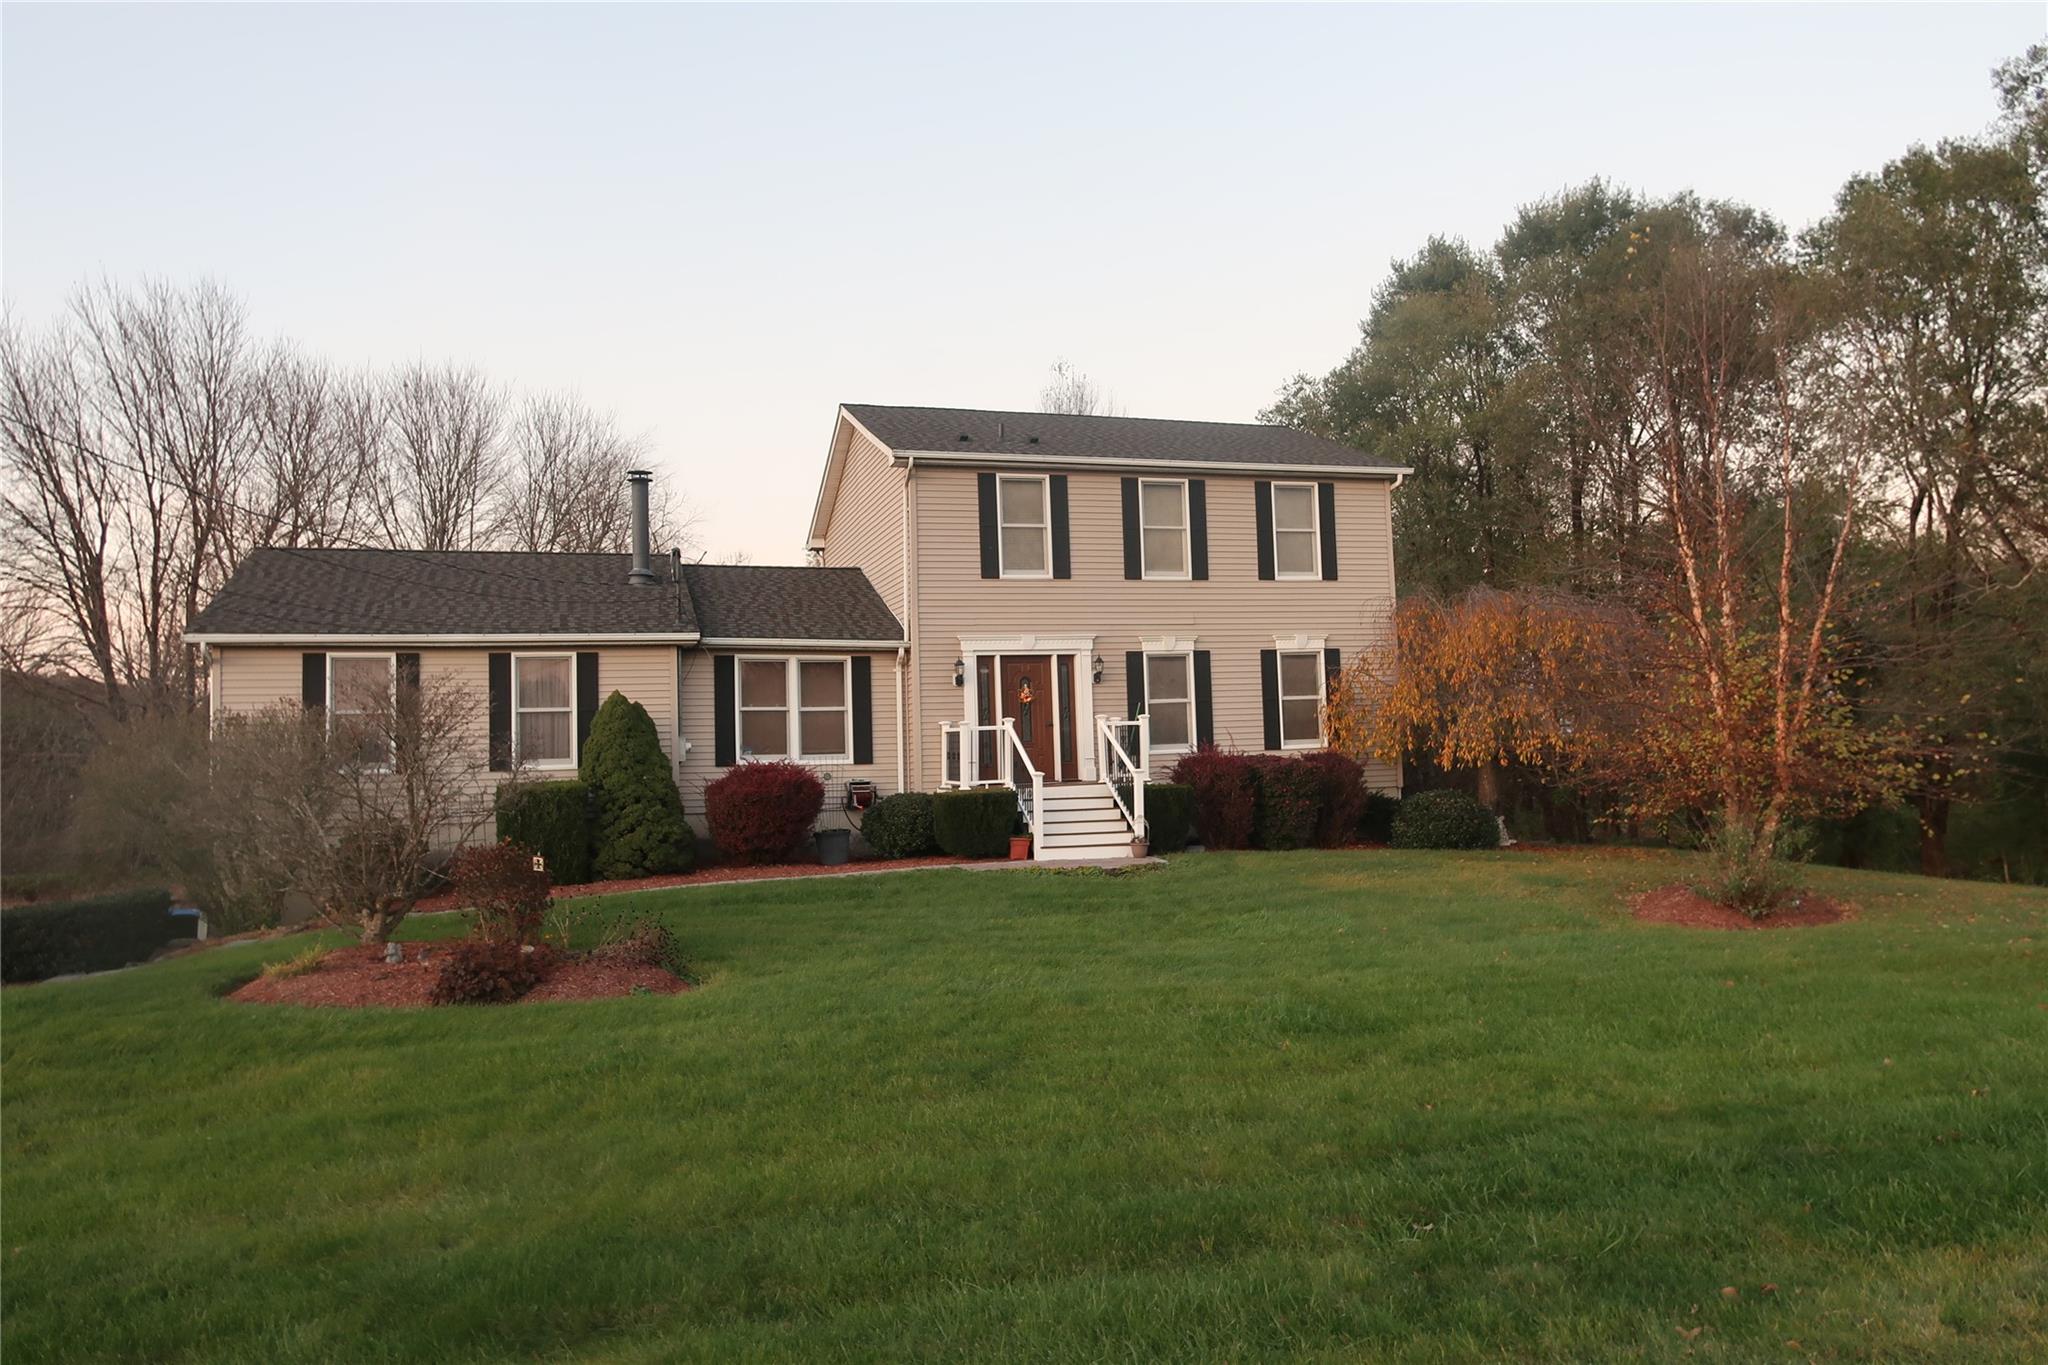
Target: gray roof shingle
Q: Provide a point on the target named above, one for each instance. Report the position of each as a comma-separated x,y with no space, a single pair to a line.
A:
1137,439
408,593
774,602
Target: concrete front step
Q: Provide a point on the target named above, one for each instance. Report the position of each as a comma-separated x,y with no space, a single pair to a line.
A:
1082,852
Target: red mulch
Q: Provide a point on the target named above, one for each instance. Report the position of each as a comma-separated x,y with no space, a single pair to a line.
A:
1680,904
706,876
354,977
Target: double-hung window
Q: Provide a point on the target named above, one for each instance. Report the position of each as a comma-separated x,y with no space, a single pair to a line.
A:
1024,526
1163,524
1301,699
796,708
360,690
1170,699
544,710
1296,553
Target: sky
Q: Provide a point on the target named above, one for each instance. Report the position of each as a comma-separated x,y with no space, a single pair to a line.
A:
718,223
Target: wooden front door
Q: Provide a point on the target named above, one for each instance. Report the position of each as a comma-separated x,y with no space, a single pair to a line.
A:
1026,692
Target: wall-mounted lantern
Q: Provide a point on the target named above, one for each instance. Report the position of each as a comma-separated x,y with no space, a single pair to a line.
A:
959,672
1096,672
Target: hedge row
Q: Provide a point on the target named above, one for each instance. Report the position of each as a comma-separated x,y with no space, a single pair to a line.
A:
552,819
58,938
974,824
1268,801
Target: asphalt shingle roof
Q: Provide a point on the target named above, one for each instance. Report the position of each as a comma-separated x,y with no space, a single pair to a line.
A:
773,602
424,592
1138,439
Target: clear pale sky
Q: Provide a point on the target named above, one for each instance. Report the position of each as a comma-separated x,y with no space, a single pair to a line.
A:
721,222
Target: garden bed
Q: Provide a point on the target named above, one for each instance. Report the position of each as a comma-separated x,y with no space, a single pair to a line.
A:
1680,904
357,977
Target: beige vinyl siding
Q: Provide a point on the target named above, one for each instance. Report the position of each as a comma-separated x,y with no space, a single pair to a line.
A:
1232,614
866,529
700,759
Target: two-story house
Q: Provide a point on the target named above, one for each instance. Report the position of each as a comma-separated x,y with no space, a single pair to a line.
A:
994,597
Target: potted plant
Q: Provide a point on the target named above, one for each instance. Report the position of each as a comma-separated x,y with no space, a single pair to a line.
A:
1020,847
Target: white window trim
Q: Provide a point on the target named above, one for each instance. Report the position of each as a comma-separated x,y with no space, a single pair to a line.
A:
1321,696
554,764
792,737
1187,655
1044,483
1187,534
390,659
1315,522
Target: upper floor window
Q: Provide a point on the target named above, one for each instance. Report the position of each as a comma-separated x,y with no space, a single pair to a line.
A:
544,709
360,688
796,708
1301,698
1163,521
1296,553
1170,699
1025,526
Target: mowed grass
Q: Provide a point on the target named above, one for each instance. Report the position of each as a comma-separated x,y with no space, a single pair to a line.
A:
1346,1106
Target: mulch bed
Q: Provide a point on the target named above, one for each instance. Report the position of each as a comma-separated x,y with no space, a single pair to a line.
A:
1680,904
706,876
355,977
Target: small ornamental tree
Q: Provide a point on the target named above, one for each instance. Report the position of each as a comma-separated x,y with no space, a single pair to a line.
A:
640,828
508,894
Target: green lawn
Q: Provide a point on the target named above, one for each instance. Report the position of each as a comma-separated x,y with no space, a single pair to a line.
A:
1342,1106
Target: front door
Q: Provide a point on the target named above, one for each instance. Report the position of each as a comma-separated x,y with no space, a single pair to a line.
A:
1026,692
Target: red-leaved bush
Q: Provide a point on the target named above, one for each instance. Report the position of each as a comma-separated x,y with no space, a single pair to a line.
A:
509,895
1290,800
763,812
477,973
1341,799
1226,795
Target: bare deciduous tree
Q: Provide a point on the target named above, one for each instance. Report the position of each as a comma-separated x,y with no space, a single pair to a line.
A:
566,482
1070,391
439,461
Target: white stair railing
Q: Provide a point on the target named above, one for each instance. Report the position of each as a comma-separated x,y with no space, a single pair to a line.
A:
1113,761
961,755
1013,755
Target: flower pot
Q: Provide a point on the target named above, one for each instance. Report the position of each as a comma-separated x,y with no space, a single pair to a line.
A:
1139,848
834,846
1020,847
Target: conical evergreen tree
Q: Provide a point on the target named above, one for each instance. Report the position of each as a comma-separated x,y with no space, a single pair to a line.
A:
640,827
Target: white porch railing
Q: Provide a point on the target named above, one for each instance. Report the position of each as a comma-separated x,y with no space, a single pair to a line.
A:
1004,764
1116,740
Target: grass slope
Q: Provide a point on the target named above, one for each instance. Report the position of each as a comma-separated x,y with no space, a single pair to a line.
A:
1341,1106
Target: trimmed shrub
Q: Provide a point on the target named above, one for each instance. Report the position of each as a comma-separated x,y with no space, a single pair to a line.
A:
900,826
1444,819
763,812
1290,800
1376,817
974,824
1340,796
639,829
59,938
474,972
1226,795
509,895
648,943
1169,815
552,819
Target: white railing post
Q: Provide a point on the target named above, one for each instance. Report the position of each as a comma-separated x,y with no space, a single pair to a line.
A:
1142,775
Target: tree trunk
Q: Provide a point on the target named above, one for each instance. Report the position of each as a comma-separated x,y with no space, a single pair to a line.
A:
1489,786
1933,811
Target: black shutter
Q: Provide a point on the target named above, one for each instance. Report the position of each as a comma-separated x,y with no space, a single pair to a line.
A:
1198,528
991,548
501,713
1134,545
408,675
586,698
313,681
1262,512
1333,669
1062,550
863,709
1326,525
1134,683
725,704
1269,694
1205,710
408,706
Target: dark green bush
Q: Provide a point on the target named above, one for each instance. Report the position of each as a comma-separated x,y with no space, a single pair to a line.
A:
900,826
1376,818
1169,815
1290,802
640,830
58,938
552,819
1444,819
974,824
